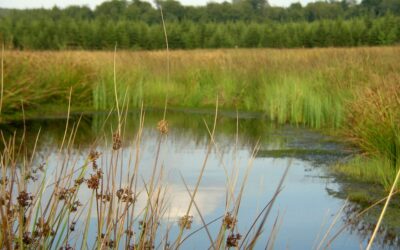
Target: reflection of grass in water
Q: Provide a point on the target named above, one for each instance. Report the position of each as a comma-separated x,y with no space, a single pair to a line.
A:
369,199
371,170
61,218
186,125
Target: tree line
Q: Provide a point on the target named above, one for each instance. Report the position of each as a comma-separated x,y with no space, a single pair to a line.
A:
242,23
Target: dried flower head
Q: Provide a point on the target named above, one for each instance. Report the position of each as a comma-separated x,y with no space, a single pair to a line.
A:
43,229
186,221
4,180
24,199
162,126
104,197
72,226
93,156
129,233
5,199
74,206
117,143
65,193
12,213
99,173
107,242
233,240
125,195
27,238
62,194
79,181
229,221
93,182
30,175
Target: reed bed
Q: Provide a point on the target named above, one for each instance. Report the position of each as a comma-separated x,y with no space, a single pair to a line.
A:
305,81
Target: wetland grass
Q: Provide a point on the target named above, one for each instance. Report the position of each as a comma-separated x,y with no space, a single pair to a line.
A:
354,91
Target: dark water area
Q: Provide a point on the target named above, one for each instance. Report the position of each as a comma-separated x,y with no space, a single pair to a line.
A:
307,214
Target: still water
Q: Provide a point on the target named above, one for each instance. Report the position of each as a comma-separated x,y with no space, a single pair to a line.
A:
306,214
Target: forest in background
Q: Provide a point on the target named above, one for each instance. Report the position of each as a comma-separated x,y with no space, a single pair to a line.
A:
242,23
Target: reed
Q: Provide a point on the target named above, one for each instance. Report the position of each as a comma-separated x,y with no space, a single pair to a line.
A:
310,86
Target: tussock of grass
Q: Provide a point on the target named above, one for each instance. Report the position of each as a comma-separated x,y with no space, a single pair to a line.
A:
374,119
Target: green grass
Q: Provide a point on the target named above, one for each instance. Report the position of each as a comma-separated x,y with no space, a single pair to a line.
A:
370,170
352,91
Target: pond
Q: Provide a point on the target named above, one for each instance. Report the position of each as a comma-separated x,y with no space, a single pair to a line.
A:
305,214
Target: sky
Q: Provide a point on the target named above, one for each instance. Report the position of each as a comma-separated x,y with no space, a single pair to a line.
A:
21,4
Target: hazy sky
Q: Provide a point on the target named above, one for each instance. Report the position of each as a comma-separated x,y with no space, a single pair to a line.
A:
20,4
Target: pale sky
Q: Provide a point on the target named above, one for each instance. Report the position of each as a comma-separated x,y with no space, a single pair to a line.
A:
21,4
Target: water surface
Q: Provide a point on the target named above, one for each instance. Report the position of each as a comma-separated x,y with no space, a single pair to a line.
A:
304,209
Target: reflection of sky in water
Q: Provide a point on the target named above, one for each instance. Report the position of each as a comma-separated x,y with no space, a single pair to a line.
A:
306,208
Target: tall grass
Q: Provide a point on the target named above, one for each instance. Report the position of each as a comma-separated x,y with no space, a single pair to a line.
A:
312,85
373,124
352,90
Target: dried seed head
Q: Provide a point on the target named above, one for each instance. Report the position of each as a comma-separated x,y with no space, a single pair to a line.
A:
74,206
5,199
24,199
99,173
93,182
162,126
65,193
107,242
229,221
93,156
186,221
62,194
117,143
4,180
125,195
104,197
43,229
129,233
29,175
72,226
79,181
27,238
233,240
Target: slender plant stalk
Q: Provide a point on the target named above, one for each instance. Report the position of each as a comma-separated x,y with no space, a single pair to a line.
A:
331,226
199,212
392,190
209,148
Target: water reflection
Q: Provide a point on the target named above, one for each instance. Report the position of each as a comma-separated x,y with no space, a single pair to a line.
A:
303,201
